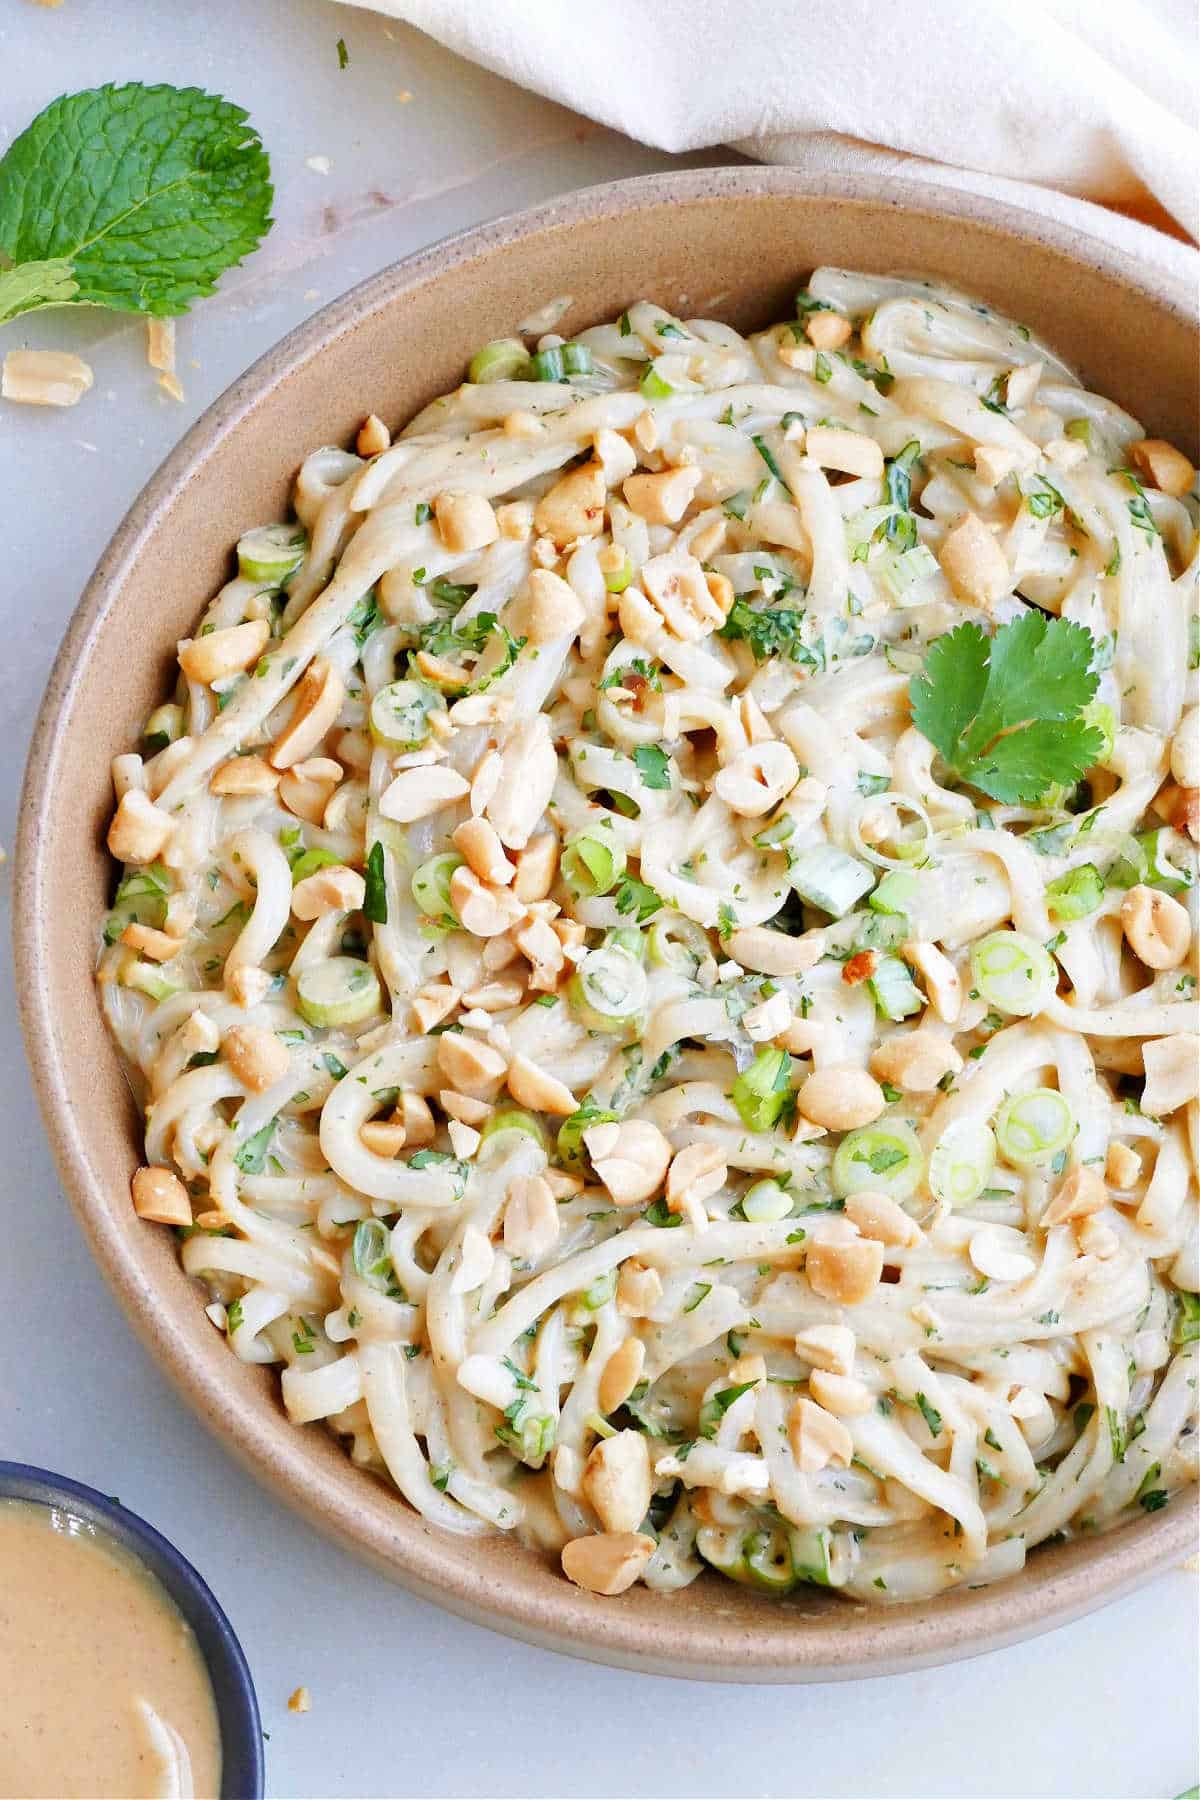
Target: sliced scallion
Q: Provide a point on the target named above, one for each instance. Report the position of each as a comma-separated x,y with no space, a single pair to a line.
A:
1013,972
1032,1128
886,1158
592,865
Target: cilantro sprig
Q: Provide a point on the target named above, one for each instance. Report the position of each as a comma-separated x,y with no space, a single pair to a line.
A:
132,197
1005,712
769,631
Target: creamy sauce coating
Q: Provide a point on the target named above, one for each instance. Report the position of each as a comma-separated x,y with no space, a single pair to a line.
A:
105,1691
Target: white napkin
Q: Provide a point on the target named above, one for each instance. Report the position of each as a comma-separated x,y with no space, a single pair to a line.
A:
1049,104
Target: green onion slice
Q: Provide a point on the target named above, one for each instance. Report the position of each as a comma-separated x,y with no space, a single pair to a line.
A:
592,865
1013,972
961,1163
1032,1128
886,1158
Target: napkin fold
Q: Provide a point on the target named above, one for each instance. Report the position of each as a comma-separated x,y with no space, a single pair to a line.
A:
1068,107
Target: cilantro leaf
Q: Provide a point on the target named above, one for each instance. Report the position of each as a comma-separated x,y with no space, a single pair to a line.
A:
653,766
140,196
375,905
637,897
1005,713
949,692
769,631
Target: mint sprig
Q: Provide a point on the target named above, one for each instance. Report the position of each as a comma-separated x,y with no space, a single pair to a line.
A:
135,198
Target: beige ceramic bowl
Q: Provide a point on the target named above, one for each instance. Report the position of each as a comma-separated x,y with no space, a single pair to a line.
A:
729,242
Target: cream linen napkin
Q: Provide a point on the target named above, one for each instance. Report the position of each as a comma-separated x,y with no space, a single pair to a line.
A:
1050,104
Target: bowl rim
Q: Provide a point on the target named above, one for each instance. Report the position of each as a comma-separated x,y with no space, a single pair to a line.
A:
878,1641
240,1726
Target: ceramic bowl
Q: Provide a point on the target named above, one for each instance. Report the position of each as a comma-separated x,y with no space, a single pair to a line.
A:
732,243
233,1690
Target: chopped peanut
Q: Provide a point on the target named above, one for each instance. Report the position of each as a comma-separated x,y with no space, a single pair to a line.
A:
419,793
319,696
915,1061
465,521
464,1108
539,941
470,1066
161,1198
696,1173
530,1218
1081,1193
256,1056
1157,928
622,1372
662,499
992,463
537,865
616,1481
45,377
1122,1166
608,1562
550,608
849,452
139,829
373,436
433,1003
844,1271
828,330
417,1119
307,787
573,507
159,946
332,889
630,1159
676,584
828,1347
974,564
639,1288
228,651
483,851
485,911
841,1394
880,1217
383,1137
244,775
840,1097
515,520
538,1090
774,952
817,1438
1163,466
942,981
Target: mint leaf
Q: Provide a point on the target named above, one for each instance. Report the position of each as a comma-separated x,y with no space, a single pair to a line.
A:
1005,713
143,196
49,283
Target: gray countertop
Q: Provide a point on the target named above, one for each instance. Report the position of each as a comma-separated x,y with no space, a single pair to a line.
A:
405,1699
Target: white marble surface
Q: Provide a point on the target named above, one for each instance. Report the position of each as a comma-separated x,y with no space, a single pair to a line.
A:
406,1700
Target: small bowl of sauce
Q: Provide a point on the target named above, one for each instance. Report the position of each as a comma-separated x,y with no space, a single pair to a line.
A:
121,1676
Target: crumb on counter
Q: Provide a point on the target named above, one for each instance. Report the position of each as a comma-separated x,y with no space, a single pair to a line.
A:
320,165
160,344
300,1701
45,377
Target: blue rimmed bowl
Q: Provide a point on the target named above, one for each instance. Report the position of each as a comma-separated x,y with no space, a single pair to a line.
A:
242,1769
